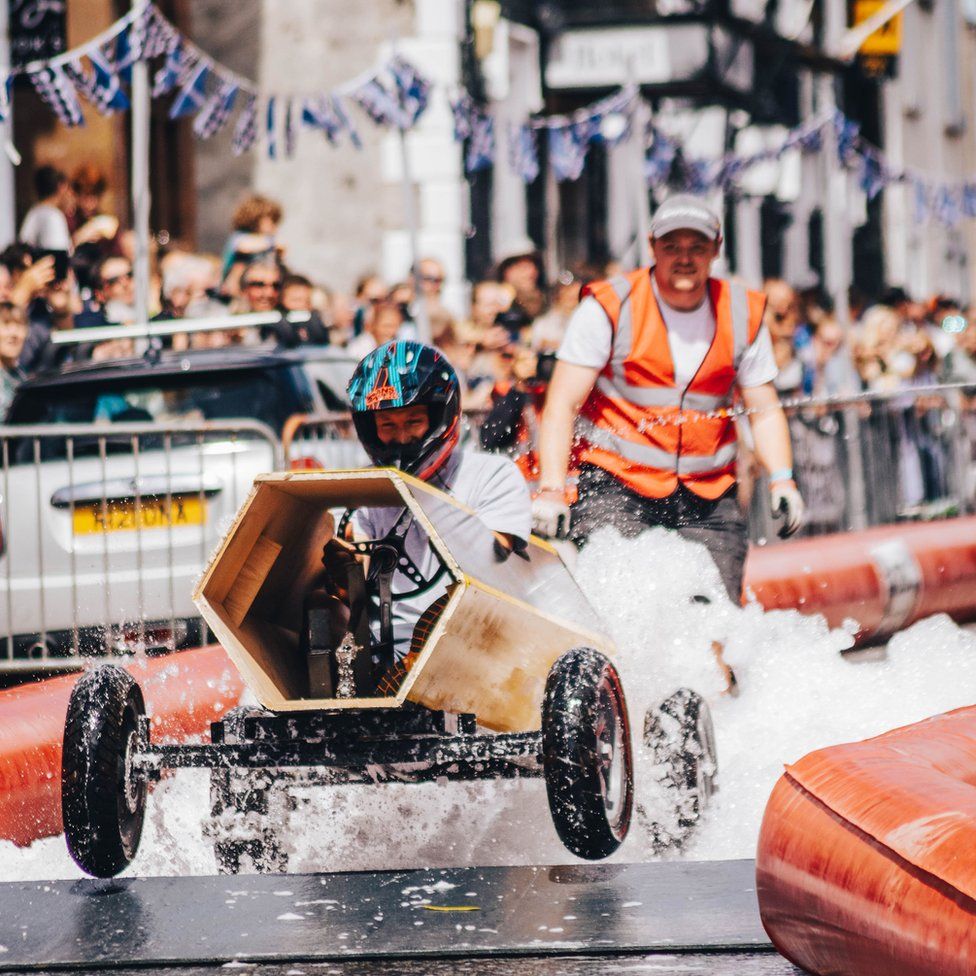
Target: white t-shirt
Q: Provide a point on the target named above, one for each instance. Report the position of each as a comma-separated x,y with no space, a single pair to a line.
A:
589,342
46,227
490,484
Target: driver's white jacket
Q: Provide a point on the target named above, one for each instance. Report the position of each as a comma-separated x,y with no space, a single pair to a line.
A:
490,484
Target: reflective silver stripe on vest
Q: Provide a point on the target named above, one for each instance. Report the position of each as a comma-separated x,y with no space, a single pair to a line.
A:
740,321
654,457
722,458
650,457
659,396
623,334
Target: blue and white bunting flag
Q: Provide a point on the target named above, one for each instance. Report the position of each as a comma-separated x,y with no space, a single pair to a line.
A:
382,106
193,95
463,111
127,52
523,152
568,146
921,195
217,110
659,160
290,128
338,106
481,144
318,112
246,127
697,174
610,119
848,133
872,176
156,36
175,70
270,130
728,171
948,206
969,200
59,95
413,89
107,94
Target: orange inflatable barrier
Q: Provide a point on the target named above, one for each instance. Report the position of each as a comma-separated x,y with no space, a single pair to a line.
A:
184,693
865,863
884,578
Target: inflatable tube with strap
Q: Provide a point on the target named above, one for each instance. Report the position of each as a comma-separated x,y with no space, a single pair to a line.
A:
885,578
865,863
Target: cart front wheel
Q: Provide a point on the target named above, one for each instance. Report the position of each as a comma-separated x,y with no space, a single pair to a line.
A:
587,758
103,800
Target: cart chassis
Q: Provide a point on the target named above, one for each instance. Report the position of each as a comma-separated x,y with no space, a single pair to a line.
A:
409,744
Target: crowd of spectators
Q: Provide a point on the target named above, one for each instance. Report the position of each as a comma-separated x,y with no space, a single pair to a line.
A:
72,268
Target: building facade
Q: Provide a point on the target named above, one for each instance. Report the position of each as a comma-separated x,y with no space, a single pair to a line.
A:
717,76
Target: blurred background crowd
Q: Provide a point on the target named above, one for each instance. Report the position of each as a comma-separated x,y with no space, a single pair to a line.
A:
72,269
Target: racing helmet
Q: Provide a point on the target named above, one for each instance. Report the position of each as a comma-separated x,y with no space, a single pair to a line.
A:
400,374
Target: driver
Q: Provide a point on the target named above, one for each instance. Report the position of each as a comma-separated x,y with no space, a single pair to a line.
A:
406,405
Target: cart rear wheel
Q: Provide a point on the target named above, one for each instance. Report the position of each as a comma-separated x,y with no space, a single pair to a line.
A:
103,801
587,757
680,735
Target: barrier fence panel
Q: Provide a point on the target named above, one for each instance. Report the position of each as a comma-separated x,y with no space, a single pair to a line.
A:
914,452
105,528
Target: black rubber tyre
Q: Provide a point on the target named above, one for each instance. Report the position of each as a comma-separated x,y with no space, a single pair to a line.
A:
236,796
680,734
102,803
587,757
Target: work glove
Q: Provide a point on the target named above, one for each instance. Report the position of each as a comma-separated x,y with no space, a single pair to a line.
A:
550,516
788,505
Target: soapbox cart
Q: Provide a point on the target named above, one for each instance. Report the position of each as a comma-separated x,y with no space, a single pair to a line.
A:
509,676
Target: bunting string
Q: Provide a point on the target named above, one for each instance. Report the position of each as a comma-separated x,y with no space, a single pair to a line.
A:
396,94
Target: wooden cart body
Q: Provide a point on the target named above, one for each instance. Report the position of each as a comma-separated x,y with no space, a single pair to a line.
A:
489,651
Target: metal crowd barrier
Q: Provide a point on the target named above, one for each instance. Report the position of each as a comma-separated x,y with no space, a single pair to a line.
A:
878,458
105,528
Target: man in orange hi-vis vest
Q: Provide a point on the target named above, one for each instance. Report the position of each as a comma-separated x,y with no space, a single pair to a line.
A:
646,376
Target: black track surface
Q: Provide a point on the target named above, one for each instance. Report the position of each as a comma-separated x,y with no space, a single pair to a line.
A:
674,917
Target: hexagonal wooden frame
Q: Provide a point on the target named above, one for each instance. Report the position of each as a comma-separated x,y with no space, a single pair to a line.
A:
490,649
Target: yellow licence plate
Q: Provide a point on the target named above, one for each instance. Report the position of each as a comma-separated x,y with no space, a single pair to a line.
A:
152,513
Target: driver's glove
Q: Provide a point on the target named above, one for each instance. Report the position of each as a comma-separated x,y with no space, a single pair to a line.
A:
787,504
550,515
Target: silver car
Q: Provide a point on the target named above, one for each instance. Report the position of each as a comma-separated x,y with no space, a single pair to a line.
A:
119,478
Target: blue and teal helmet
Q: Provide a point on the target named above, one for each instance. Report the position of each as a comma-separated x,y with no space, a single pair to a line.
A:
401,374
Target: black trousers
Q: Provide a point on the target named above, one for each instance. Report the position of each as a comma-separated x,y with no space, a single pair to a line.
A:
719,525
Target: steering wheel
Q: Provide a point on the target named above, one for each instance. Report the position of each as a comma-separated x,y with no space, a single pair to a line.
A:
389,554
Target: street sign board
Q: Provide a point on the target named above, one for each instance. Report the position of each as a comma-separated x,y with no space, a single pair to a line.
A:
605,57
886,40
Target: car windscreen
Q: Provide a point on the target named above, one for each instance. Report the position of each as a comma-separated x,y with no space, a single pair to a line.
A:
269,395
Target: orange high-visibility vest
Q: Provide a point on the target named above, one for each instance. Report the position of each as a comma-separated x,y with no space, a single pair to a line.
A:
637,424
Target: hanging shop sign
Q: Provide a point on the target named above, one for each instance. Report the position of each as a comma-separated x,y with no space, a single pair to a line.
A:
38,29
607,57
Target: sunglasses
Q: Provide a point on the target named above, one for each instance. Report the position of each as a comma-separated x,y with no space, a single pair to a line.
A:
432,279
263,284
115,279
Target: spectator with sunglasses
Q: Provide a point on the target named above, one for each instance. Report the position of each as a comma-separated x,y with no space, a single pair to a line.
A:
260,287
114,297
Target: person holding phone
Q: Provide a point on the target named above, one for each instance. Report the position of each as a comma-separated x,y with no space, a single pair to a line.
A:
45,228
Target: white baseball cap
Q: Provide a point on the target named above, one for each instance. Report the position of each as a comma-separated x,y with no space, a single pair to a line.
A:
684,211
